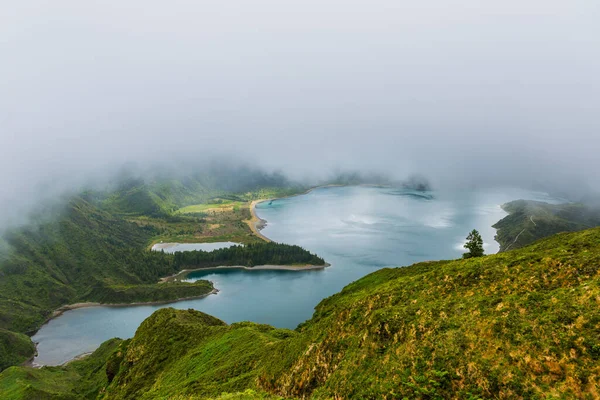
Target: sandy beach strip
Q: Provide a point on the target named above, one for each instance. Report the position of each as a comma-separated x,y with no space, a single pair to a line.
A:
256,223
58,312
162,246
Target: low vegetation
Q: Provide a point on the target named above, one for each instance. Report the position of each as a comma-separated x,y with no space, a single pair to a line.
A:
519,324
216,205
529,221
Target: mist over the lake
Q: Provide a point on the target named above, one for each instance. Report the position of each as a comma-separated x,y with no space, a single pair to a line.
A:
462,92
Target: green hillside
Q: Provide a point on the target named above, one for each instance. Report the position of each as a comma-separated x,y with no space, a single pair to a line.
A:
78,253
74,256
162,195
90,249
519,324
530,220
14,348
199,207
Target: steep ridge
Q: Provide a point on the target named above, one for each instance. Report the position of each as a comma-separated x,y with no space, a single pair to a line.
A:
530,220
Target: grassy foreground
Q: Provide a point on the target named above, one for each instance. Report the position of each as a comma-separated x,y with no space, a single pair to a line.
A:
519,324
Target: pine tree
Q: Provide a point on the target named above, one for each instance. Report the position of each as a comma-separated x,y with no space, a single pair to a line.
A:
474,245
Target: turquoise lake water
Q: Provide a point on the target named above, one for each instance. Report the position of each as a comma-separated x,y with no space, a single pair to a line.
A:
356,229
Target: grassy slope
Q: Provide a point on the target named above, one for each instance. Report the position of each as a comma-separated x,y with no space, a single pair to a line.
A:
163,195
198,208
529,221
523,323
51,264
14,348
209,226
81,379
219,206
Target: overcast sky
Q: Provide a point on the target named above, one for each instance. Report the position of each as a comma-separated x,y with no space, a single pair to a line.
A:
461,91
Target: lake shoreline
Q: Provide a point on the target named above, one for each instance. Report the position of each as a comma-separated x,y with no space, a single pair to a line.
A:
257,223
496,229
61,310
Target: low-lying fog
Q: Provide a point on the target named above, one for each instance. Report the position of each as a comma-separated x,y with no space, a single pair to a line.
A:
462,92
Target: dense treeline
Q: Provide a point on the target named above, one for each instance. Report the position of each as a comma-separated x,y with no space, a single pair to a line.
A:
249,255
149,266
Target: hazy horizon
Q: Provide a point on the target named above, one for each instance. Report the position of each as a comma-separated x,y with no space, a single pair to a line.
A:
461,92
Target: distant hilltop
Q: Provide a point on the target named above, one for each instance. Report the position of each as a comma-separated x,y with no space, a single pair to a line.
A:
417,182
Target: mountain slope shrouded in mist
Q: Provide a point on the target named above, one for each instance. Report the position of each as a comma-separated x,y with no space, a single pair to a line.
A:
523,323
501,93
529,221
95,247
100,238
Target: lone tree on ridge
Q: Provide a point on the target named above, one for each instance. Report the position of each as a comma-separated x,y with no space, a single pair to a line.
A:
474,245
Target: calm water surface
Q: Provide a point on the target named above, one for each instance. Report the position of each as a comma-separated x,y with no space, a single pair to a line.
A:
356,229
